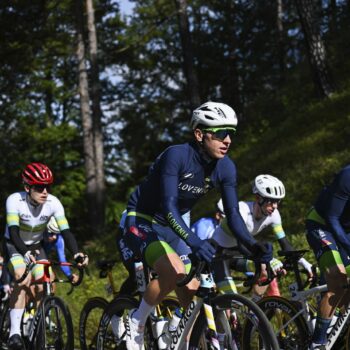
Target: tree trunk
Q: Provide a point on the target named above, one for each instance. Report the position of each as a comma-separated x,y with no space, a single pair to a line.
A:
281,40
87,123
309,17
96,116
187,53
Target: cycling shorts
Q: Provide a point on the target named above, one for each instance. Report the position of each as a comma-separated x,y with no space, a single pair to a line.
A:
327,252
126,254
16,260
149,240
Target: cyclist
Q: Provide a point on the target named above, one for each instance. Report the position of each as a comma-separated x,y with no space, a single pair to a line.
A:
258,214
54,240
328,227
27,214
178,178
204,227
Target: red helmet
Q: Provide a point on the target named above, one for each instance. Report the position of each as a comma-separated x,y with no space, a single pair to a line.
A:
37,174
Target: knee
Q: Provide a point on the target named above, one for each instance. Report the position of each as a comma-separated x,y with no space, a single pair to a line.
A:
336,283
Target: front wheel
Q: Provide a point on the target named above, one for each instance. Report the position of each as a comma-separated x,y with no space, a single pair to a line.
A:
111,330
289,325
89,320
236,312
4,324
54,326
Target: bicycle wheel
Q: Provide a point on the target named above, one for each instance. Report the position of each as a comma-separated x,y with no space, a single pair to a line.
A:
200,336
89,320
110,334
4,325
55,328
242,312
291,330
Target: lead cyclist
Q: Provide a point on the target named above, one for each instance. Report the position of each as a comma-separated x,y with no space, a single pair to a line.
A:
178,178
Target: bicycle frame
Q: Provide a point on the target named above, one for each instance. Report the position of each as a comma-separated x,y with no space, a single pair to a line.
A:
200,300
302,296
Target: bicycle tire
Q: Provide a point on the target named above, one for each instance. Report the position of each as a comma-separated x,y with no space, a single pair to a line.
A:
291,331
55,326
4,325
89,320
245,311
200,335
106,337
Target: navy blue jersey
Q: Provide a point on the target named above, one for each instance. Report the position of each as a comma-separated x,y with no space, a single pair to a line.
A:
333,205
178,178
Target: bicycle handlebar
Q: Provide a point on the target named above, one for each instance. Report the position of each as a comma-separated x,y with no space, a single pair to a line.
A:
198,266
54,263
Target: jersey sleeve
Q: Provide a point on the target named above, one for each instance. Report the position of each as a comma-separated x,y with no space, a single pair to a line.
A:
228,186
12,212
58,212
337,201
277,225
60,248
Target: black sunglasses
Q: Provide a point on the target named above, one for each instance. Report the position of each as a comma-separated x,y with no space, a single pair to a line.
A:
272,200
41,188
221,133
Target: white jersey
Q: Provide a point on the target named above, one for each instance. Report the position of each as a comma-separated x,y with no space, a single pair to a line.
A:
32,220
223,236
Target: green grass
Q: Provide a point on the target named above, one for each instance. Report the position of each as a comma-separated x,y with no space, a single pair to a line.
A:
91,286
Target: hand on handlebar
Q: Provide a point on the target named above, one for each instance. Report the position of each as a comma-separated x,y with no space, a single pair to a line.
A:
81,259
277,267
29,257
202,248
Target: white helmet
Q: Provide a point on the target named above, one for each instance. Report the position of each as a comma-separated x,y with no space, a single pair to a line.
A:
220,207
268,186
213,114
52,226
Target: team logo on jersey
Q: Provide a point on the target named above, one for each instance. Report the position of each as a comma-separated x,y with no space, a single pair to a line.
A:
44,218
146,228
138,233
325,243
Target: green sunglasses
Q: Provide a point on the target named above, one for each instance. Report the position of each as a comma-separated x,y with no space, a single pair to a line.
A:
221,133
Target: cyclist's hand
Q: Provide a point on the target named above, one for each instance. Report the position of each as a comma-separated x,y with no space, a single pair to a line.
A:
202,248
81,259
307,266
277,266
262,252
29,257
74,278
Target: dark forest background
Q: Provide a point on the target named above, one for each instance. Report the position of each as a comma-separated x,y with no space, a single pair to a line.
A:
97,95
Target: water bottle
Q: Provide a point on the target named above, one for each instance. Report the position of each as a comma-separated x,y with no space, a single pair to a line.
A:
175,320
27,322
163,339
140,276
